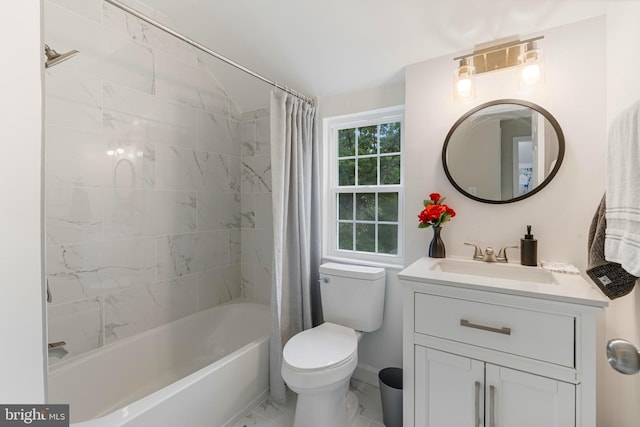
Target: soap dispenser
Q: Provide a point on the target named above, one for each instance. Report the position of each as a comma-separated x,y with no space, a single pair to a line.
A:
528,249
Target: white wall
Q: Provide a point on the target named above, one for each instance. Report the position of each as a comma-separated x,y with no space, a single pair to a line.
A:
561,213
22,366
620,394
365,100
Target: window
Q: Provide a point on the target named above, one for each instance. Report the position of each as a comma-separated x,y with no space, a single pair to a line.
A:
366,184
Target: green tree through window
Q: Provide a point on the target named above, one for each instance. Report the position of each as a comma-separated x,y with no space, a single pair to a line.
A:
368,188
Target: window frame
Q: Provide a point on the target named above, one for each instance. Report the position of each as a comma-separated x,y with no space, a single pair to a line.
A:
330,210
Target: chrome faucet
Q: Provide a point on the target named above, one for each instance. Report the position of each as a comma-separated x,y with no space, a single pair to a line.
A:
57,350
502,255
477,253
489,254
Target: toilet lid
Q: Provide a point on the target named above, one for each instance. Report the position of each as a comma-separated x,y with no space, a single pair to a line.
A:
321,347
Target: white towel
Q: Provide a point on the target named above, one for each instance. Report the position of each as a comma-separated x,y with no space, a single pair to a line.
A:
622,236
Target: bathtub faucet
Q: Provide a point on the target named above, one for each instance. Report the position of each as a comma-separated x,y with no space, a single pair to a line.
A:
57,350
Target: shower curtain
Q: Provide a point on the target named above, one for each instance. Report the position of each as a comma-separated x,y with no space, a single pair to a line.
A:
295,302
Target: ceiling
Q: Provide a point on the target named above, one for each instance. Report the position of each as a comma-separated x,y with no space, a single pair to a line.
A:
330,47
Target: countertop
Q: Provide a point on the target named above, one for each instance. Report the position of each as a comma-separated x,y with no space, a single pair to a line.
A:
571,288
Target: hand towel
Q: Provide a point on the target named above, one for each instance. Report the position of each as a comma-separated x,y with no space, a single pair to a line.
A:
611,278
622,237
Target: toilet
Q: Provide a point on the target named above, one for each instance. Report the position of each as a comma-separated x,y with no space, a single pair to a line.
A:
317,363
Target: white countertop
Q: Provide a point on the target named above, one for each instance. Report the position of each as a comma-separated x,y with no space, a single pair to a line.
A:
572,288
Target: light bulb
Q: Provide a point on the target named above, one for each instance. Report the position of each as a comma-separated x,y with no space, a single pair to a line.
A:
463,80
464,86
531,74
531,65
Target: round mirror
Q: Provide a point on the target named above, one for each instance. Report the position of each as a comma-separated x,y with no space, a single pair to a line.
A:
503,151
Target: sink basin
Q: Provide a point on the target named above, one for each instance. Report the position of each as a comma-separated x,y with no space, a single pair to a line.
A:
495,270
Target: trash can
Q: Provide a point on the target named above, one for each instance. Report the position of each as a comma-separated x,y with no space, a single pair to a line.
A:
390,380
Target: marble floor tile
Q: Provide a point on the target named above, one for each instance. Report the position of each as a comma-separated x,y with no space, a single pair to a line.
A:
271,414
253,420
369,403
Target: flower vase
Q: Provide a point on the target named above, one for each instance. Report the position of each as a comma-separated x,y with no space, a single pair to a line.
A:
436,247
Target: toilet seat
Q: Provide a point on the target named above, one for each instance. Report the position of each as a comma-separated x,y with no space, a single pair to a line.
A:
320,357
324,347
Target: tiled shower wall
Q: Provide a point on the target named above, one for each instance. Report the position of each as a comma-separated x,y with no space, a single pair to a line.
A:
145,160
257,218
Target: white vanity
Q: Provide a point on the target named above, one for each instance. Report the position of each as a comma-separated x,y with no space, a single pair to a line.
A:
498,345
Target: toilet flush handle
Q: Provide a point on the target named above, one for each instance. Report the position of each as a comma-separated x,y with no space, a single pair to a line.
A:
323,280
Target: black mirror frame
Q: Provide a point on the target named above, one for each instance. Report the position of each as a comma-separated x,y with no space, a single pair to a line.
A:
539,109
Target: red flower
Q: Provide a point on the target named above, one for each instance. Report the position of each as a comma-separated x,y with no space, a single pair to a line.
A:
435,213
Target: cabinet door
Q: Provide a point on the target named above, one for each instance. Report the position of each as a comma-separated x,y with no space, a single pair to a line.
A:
449,390
518,399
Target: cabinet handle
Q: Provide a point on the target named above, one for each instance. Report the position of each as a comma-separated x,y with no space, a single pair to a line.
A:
504,330
492,403
477,404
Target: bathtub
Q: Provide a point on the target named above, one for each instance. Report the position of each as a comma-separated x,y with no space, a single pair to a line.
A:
203,370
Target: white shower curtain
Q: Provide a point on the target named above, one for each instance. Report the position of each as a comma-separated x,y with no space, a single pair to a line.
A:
295,303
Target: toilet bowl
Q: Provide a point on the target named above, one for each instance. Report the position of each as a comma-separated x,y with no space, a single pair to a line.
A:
317,363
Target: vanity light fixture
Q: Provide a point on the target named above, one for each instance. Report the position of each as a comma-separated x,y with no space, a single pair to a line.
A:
464,80
505,53
531,63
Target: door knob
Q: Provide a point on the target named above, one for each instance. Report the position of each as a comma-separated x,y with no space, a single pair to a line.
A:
623,356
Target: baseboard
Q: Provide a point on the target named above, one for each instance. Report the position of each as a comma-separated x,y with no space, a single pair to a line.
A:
367,374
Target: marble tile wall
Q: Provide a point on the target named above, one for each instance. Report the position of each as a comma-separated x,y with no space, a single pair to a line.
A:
256,206
147,163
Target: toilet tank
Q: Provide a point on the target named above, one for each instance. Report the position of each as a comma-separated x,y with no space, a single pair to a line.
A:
352,295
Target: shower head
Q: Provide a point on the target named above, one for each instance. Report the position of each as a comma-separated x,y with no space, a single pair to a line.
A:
54,58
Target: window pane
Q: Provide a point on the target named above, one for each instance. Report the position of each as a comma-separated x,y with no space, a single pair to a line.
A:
388,207
366,206
390,170
387,239
346,142
368,159
367,141
366,237
346,172
368,171
345,236
345,206
390,138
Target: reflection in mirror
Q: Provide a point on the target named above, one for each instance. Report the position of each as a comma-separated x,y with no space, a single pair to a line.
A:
503,151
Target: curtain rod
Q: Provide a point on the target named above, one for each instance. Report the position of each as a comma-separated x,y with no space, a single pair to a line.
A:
205,49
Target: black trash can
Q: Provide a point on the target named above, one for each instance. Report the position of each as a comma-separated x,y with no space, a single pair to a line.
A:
390,380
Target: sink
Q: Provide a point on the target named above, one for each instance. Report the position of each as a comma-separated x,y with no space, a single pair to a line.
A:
495,270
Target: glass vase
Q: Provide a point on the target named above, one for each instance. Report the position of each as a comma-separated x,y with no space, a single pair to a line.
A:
436,247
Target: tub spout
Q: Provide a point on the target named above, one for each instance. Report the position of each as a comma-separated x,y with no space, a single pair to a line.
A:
57,350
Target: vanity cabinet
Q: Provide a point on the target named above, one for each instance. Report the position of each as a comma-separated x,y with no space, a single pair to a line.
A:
498,353
452,390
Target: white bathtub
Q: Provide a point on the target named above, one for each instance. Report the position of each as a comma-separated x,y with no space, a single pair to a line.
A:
202,370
